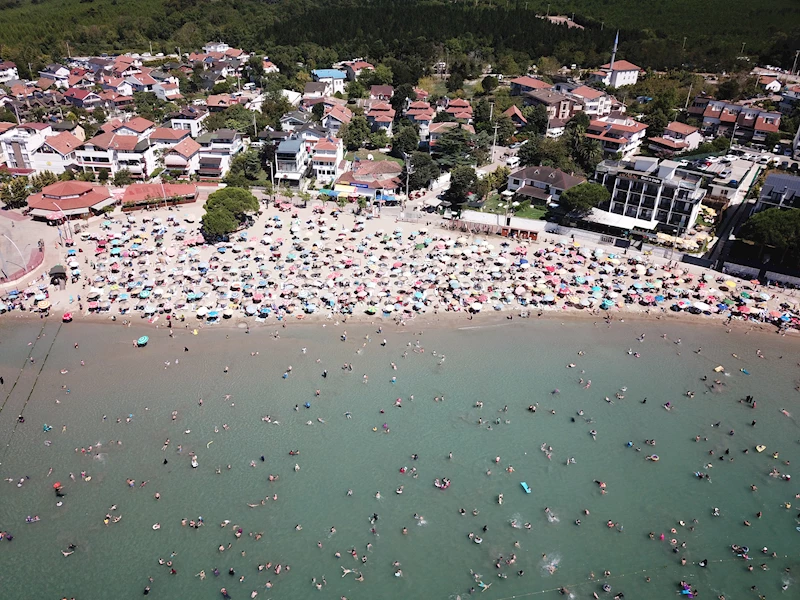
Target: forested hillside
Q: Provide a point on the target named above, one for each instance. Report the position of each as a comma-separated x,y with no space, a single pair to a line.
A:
652,33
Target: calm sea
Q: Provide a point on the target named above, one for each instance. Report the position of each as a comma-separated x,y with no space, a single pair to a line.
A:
124,394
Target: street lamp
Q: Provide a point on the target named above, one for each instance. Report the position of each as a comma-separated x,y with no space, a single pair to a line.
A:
66,216
22,258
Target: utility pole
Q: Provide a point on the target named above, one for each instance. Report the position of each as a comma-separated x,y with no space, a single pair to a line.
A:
491,111
151,47
548,9
794,65
689,95
24,264
68,52
409,170
494,140
684,43
743,45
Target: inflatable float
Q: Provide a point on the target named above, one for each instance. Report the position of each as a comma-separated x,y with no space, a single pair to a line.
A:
525,487
760,448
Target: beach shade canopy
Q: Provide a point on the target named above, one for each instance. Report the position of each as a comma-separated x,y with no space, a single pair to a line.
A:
58,270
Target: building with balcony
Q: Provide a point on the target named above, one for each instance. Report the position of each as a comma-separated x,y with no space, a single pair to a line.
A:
617,134
647,194
779,191
190,118
57,153
291,162
328,160
8,71
334,77
21,142
541,184
677,137
183,159
115,152
217,151
558,106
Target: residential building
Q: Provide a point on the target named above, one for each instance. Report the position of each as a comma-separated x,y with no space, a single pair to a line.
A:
116,84
790,97
165,137
142,81
380,117
354,68
436,130
524,84
291,162
190,118
335,117
217,151
555,128
459,109
648,194
57,153
516,116
167,91
334,77
618,73
57,73
219,102
594,103
317,89
541,184
381,92
294,119
269,66
617,134
558,106
377,180
677,137
71,126
328,160
138,126
82,98
779,191
421,114
21,142
8,71
115,101
742,123
183,159
71,198
114,152
769,83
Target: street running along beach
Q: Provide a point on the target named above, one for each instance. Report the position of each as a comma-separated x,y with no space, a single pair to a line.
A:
282,460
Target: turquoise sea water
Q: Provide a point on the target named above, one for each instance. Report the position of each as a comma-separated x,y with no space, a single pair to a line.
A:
515,364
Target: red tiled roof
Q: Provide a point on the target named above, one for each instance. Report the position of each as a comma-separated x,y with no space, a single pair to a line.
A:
186,148
327,144
138,124
169,134
672,144
63,143
142,191
587,92
531,82
622,65
514,111
681,128
112,141
69,195
441,127
5,126
762,125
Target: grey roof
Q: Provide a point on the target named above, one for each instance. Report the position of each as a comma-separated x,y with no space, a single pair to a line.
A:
546,96
315,86
290,146
64,126
786,185
554,177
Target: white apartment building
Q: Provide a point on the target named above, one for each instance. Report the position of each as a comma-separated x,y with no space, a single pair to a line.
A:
328,160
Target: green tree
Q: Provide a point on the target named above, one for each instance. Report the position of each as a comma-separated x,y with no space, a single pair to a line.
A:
356,133
455,82
379,139
423,171
102,175
42,180
226,209
656,121
405,141
218,223
14,193
355,89
453,148
775,228
489,84
274,106
402,93
584,197
730,89
537,118
123,177
505,129
721,143
99,115
462,181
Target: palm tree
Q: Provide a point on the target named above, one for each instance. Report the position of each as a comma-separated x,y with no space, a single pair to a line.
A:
589,153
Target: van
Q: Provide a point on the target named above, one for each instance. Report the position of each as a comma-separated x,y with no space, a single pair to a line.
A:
512,161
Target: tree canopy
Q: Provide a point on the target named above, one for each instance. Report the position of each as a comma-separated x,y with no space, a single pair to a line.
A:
225,210
584,197
423,170
14,193
775,228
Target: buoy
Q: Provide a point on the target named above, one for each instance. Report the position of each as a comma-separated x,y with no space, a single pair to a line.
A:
157,526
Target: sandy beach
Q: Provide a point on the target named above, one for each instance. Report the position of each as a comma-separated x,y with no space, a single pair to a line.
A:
315,263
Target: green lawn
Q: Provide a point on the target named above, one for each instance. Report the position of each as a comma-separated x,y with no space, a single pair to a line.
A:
363,154
525,211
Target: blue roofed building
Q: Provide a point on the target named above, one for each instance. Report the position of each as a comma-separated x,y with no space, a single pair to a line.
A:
334,77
